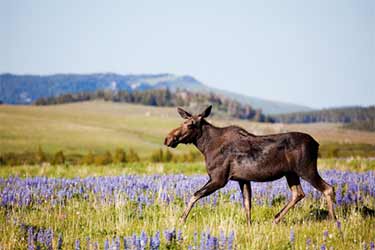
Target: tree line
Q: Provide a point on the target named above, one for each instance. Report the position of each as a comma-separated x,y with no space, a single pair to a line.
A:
165,98
362,118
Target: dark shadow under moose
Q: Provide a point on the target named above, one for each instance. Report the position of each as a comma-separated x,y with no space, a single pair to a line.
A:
232,153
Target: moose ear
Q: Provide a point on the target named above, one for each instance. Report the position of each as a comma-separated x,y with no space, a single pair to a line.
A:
207,112
184,114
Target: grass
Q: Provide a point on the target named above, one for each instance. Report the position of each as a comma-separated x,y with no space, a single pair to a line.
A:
80,219
99,126
145,168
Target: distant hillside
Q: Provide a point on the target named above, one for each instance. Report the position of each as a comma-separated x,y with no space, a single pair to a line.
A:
98,126
25,89
197,101
361,118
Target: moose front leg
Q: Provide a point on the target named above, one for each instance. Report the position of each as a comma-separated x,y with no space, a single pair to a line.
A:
210,187
245,187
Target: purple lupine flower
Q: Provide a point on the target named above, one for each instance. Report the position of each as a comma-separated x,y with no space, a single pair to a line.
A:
106,244
372,245
126,244
323,247
155,242
36,190
117,243
222,240
308,242
59,242
179,235
77,245
203,241
40,237
292,236
208,239
30,239
338,224
48,237
213,243
96,246
170,235
136,241
231,240
325,235
143,240
88,243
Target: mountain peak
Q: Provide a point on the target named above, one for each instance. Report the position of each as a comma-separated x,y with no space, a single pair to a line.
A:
24,89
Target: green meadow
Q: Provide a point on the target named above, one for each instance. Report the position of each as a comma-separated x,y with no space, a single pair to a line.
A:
97,127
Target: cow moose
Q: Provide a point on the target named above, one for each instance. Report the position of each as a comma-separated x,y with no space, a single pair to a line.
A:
232,153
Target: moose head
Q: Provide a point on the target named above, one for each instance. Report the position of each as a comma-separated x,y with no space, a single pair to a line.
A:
189,130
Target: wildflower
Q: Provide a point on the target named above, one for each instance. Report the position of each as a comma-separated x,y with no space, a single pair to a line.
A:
126,245
308,242
338,224
155,242
48,237
30,239
77,245
231,240
222,240
169,236
323,247
117,243
179,235
59,242
291,237
143,240
325,235
106,244
88,242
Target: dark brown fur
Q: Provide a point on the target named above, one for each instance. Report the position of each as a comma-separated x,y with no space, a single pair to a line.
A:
232,153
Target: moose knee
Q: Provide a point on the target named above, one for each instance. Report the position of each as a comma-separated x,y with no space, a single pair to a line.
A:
300,195
329,192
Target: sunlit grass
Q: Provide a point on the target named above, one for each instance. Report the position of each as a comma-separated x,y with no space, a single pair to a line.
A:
71,171
80,219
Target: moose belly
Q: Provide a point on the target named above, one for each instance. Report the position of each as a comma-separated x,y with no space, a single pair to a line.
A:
257,171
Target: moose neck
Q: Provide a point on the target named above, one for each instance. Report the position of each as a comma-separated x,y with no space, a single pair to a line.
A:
205,141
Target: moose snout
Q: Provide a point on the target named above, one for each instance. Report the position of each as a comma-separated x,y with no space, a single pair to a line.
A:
170,141
166,141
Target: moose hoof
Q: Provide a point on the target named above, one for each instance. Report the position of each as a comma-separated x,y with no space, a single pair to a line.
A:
276,221
182,220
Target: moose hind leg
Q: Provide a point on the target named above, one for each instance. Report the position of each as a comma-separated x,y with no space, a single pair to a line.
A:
317,182
297,195
245,187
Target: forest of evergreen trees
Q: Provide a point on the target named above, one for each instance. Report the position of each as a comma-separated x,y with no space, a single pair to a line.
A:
165,98
361,118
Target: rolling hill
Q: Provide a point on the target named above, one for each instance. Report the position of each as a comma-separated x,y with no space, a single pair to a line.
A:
24,89
98,126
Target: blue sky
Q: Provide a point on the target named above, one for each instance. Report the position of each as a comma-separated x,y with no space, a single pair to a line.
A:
315,53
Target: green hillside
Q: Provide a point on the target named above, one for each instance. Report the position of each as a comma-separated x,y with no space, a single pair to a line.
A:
89,126
99,126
